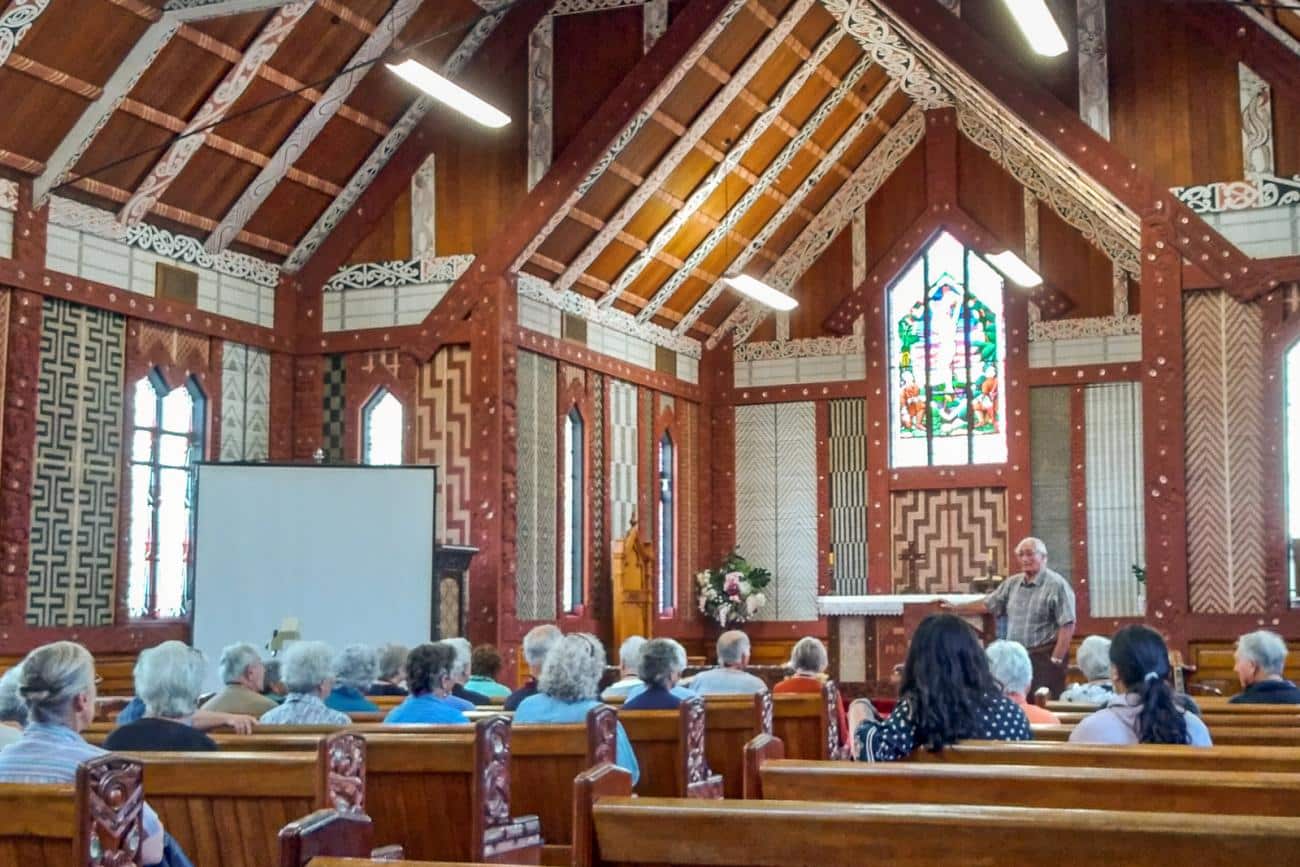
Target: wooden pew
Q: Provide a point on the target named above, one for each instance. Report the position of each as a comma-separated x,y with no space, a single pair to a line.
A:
669,747
1264,736
1219,720
331,833
730,722
1155,756
809,725
60,825
616,830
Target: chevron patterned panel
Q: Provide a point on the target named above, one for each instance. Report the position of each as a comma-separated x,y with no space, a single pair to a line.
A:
1112,428
848,470
1225,514
245,402
75,485
257,404
756,491
538,468
596,502
1049,472
622,457
955,530
442,433
334,414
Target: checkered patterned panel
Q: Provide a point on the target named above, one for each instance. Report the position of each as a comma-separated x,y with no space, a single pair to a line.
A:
335,409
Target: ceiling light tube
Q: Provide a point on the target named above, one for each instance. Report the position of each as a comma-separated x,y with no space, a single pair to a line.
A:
450,94
1038,26
761,292
1015,269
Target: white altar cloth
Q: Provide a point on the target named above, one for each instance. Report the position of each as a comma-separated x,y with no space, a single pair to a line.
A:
885,605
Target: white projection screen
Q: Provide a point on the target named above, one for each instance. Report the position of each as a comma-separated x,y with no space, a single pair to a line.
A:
347,550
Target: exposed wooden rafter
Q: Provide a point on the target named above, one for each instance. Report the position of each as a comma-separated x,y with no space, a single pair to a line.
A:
297,142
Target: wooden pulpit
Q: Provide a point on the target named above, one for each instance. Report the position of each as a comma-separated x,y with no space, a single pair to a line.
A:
634,569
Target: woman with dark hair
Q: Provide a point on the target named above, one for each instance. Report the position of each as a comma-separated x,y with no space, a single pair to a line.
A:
1144,709
947,695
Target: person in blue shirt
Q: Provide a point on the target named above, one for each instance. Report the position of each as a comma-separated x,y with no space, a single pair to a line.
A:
568,688
428,677
660,669
484,669
354,670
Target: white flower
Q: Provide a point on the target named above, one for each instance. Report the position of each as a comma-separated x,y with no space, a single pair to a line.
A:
745,588
751,605
762,600
723,611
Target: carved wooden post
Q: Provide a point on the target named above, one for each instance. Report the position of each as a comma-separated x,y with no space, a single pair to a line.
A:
763,711
699,781
110,800
602,736
341,763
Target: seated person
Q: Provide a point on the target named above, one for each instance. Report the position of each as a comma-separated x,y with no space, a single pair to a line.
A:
537,643
243,673
168,679
1094,661
1260,660
272,683
730,677
678,689
660,669
809,660
465,699
58,686
309,677
568,688
1011,668
484,668
391,674
629,663
947,695
13,711
428,676
354,670
1144,709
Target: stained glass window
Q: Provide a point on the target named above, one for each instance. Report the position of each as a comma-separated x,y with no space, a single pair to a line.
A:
947,358
1293,463
381,426
575,486
667,525
166,443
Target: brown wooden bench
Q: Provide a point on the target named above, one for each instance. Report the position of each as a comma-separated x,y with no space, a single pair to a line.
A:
809,724
615,829
669,747
1264,736
1156,756
730,722
1216,719
61,825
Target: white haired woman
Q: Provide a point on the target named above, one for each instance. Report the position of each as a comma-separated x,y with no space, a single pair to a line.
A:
464,699
568,688
58,685
1093,657
809,660
309,676
168,679
1010,666
659,669
354,670
677,689
392,670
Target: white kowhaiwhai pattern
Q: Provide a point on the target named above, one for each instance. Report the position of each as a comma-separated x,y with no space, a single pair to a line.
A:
245,403
541,99
16,21
1256,123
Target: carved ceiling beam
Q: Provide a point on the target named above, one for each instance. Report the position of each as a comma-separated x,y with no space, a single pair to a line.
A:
809,183
1260,43
16,21
668,163
1272,28
723,169
298,141
600,286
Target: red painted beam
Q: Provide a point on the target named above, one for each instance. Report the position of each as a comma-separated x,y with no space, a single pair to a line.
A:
1237,36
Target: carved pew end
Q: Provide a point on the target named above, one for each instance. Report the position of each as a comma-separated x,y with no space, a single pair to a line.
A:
331,833
603,781
761,749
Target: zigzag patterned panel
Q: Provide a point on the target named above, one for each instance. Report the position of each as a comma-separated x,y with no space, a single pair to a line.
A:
75,485
600,582
335,407
1225,515
538,468
848,480
954,530
245,402
442,434
1049,474
622,457
1112,427
776,503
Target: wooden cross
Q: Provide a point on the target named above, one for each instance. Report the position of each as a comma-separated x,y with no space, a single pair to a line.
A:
913,558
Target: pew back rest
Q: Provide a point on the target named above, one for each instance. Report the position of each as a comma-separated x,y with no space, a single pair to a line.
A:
808,723
669,747
545,760
730,722
1264,736
1157,756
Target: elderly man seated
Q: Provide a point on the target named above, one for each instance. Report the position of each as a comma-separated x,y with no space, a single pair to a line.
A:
660,669
629,664
309,677
428,674
168,680
1010,666
1094,661
537,643
1260,661
730,677
242,672
354,671
13,711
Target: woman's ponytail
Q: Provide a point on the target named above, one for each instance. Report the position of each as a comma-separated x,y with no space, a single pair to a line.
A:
1141,658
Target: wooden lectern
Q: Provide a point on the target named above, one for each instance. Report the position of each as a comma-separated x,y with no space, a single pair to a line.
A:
634,569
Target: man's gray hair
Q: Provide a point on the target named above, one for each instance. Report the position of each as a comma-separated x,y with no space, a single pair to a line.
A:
12,706
235,660
733,647
538,642
1010,666
1264,648
629,652
169,678
464,653
355,666
659,662
391,659
307,664
809,655
1032,542
572,670
1093,657
53,675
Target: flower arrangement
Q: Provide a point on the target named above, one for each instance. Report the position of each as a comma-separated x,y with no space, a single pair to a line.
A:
733,592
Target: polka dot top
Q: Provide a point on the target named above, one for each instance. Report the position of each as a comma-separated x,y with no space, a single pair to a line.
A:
1001,719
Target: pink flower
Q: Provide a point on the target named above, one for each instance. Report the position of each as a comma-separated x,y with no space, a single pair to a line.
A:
731,583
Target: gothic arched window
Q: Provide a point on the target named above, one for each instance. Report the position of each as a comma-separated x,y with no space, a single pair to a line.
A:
381,429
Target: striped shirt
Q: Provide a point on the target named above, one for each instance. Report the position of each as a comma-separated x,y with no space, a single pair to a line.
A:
304,709
1035,609
50,753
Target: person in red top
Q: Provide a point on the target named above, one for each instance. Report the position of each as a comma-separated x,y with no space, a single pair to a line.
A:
809,661
1011,668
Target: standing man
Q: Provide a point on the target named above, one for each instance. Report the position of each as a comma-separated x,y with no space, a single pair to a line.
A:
1039,607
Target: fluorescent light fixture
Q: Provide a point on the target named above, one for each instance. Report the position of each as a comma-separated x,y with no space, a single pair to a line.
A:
1015,269
1038,25
451,94
761,292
